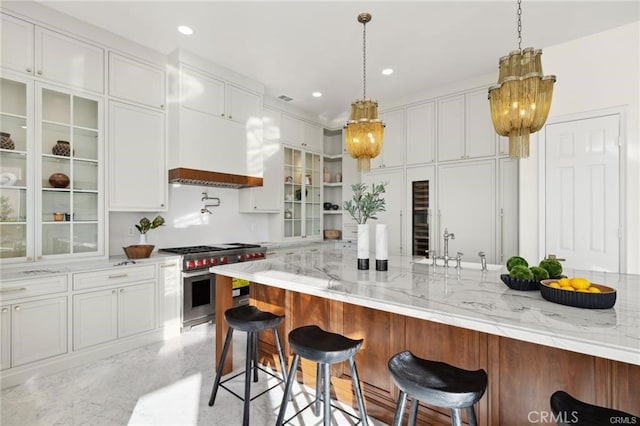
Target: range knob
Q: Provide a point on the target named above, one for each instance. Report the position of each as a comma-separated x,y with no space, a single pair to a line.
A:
260,255
251,256
199,263
224,259
207,262
191,264
215,261
241,258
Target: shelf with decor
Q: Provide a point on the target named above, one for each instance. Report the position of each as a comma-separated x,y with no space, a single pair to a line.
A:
332,182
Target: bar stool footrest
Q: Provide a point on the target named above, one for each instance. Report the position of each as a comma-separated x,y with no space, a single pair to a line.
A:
222,382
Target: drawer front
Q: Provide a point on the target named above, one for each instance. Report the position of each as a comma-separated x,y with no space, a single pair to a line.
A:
113,277
12,290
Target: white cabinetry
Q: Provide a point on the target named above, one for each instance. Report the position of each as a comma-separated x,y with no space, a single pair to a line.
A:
392,151
137,158
126,308
421,133
16,51
170,291
298,133
265,198
69,61
218,124
32,328
467,208
464,127
301,182
508,204
136,81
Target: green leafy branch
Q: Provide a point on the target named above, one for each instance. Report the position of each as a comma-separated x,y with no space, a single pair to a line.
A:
365,204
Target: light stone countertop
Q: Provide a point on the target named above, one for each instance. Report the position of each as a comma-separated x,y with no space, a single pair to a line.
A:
33,270
465,298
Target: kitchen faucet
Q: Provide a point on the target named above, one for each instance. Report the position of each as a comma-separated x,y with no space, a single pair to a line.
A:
445,256
483,260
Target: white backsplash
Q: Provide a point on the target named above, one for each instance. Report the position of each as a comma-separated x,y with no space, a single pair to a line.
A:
186,226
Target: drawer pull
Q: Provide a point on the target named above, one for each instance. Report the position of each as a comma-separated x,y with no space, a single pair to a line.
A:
13,290
118,276
167,265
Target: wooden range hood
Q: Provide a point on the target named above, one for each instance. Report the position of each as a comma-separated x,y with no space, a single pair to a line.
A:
216,179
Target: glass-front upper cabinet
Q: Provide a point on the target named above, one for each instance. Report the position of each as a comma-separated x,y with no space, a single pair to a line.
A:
302,194
69,207
16,172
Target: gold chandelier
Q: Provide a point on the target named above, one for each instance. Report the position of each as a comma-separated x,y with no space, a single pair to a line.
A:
521,100
364,130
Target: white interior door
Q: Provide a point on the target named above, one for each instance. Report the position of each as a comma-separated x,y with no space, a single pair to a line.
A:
582,193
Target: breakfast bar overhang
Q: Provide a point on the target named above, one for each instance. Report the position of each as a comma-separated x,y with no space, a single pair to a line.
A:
529,347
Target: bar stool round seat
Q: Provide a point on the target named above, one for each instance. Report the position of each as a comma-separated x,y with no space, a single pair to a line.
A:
436,383
324,348
251,320
571,411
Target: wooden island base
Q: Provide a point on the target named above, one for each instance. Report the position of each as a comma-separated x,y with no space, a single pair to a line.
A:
522,375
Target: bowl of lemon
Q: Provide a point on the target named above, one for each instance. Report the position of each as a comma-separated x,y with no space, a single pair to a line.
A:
578,292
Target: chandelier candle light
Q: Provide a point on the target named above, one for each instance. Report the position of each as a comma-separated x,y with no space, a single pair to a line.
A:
364,130
521,100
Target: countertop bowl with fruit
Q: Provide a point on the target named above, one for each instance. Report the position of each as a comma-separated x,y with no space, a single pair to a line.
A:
578,292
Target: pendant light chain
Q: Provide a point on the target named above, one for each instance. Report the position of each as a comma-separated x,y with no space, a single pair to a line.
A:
519,25
364,60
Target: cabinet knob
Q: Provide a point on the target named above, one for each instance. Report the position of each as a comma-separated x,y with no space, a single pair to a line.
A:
230,117
113,292
161,106
5,310
39,72
39,257
122,290
29,258
222,115
17,308
161,205
29,70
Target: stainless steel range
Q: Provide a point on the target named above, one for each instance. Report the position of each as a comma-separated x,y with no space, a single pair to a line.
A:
198,284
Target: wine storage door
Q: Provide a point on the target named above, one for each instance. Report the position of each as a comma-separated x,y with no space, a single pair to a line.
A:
420,207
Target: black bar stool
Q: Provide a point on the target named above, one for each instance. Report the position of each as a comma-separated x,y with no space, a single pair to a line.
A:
252,320
435,383
325,348
570,411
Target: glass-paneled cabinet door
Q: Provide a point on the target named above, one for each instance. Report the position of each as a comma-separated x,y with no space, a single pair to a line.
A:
292,193
312,183
70,152
16,173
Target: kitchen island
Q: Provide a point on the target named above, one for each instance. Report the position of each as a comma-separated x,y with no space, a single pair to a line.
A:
529,347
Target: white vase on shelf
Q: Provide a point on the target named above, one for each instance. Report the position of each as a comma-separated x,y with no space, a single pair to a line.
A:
363,246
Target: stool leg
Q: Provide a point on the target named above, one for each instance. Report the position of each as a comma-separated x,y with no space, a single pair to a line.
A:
358,391
471,416
283,366
456,417
402,402
413,412
247,378
255,355
216,383
319,378
287,389
326,395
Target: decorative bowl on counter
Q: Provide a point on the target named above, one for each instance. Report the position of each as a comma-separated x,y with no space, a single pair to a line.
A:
520,283
139,251
331,234
603,300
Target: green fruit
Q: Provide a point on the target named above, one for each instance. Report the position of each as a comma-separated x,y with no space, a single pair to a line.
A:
516,260
522,272
553,267
539,273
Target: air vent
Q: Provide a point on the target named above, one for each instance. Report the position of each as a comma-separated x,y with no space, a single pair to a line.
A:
285,98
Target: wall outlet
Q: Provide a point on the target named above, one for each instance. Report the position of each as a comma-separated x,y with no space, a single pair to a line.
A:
130,231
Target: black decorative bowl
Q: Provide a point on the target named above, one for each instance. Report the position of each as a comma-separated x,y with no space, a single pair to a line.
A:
519,283
603,300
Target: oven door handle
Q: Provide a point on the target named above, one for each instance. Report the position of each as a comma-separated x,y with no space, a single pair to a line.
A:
201,273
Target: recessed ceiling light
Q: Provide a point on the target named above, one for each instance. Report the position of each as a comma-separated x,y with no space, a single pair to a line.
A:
387,71
183,29
316,94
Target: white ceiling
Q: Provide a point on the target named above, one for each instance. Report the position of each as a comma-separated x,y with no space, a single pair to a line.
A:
295,48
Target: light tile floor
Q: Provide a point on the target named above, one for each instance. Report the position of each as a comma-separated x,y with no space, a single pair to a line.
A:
166,383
